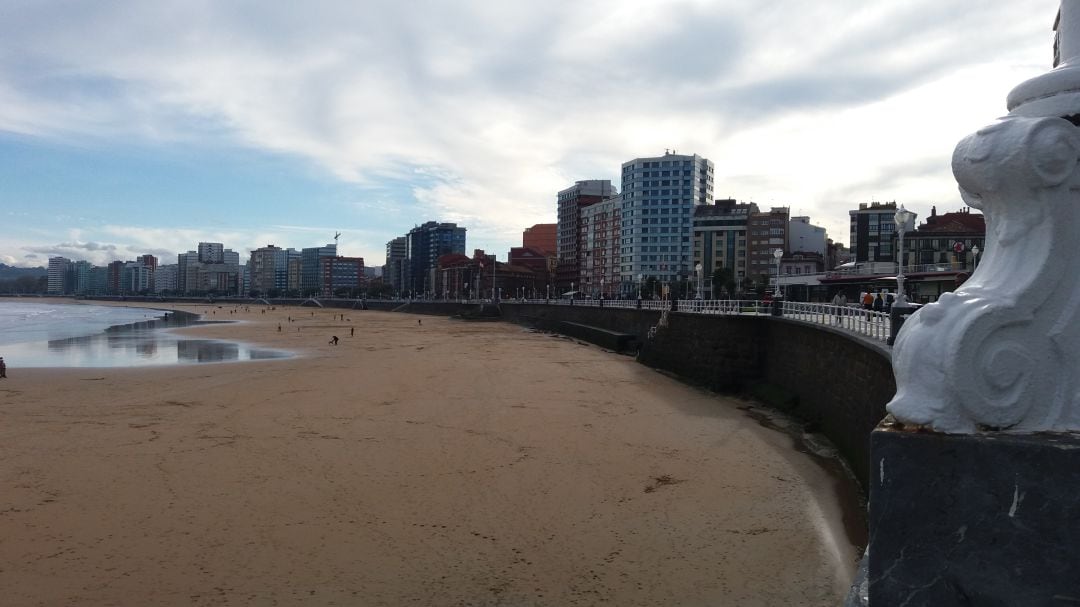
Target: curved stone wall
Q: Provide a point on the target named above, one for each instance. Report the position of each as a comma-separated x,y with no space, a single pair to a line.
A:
837,382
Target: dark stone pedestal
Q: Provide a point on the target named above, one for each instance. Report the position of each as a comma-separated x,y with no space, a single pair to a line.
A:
974,520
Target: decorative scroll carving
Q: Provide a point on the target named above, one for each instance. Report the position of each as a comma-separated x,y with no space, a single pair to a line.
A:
1003,351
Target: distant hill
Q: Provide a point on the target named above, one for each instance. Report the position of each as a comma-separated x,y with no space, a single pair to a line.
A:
11,272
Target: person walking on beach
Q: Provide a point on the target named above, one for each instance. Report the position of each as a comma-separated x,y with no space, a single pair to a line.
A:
3,368
352,331
333,340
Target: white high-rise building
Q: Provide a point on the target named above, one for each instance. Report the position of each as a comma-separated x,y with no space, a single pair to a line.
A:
59,267
658,199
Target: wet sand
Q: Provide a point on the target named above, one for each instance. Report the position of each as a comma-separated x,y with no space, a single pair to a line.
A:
447,463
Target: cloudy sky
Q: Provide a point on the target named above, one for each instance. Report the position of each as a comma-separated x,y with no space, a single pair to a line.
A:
145,127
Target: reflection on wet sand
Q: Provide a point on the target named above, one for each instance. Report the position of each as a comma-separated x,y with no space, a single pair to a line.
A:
146,342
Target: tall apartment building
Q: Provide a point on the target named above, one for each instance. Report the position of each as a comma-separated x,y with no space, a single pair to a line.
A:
339,273
210,269
115,274
658,199
58,276
81,273
872,229
768,232
394,271
263,265
311,260
542,237
598,258
211,252
165,278
425,244
720,239
571,202
136,278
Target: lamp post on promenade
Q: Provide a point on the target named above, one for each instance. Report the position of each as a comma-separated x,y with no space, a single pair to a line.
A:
640,277
974,258
698,269
778,253
904,220
601,287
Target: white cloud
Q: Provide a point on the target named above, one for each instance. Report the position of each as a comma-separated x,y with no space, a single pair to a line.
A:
499,105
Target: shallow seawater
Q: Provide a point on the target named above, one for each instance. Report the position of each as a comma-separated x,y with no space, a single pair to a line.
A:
144,343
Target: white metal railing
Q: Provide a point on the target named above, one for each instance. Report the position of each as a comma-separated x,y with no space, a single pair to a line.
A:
851,318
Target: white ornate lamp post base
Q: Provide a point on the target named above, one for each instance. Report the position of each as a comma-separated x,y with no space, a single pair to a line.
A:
1003,351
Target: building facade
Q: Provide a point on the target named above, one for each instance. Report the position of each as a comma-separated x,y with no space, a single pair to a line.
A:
311,269
425,244
658,199
720,240
59,278
949,239
872,231
571,202
768,232
394,271
804,237
598,257
341,275
542,237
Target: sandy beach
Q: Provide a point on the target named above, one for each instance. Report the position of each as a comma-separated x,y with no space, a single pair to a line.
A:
415,463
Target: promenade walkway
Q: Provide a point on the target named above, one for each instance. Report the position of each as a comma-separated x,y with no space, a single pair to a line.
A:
851,318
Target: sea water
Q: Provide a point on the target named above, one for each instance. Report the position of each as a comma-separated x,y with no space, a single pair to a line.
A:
53,334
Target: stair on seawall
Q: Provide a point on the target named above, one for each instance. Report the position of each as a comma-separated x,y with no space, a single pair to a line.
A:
612,340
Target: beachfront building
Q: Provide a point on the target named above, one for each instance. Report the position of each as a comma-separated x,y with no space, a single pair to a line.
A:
136,278
80,272
571,202
946,240
211,252
263,263
208,270
768,232
598,257
394,270
720,241
165,279
341,276
311,268
659,195
59,281
872,231
425,244
542,237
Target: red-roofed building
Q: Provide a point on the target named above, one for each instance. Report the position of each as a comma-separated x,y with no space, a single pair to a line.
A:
948,239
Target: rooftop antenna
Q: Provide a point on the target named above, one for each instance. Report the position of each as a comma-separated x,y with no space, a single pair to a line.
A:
336,235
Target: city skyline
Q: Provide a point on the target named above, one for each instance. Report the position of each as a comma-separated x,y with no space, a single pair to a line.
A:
133,130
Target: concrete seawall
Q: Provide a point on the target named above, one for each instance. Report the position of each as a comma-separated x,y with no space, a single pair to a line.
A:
836,382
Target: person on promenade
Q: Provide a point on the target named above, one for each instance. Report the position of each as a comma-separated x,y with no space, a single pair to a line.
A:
868,300
837,303
3,368
879,303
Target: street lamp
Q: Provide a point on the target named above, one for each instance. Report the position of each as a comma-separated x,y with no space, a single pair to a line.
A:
698,269
904,220
601,287
778,253
640,277
974,258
